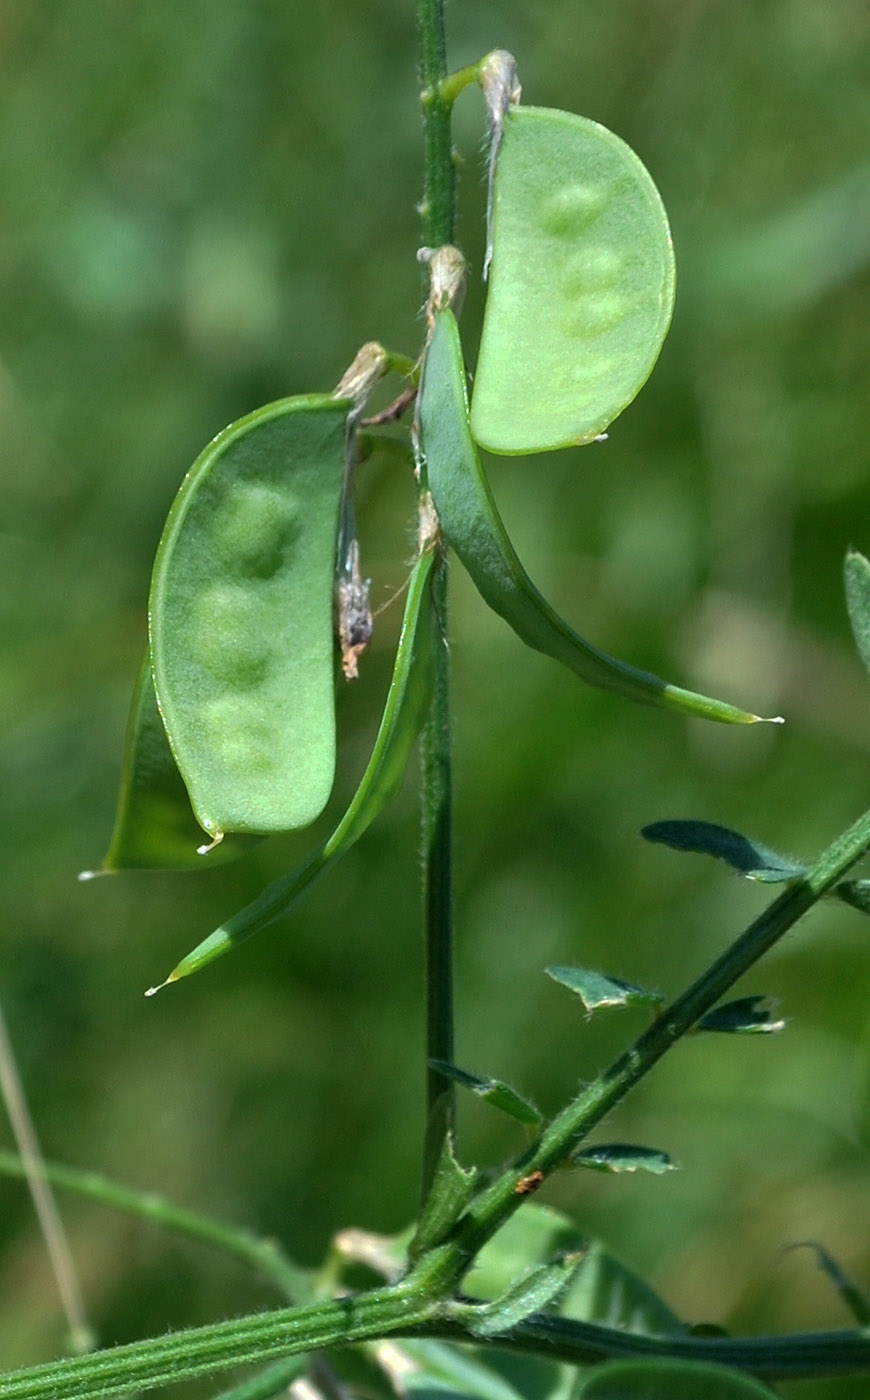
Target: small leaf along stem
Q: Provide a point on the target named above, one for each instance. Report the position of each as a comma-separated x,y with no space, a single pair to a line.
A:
437,213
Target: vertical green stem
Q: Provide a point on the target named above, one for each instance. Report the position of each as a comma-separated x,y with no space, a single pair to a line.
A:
437,208
437,212
437,798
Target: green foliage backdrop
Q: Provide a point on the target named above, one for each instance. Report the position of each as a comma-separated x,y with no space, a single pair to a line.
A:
206,206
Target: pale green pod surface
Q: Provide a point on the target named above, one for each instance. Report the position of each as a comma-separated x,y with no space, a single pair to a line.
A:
474,529
581,285
405,709
241,618
155,828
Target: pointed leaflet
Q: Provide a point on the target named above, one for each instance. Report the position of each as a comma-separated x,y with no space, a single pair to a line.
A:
532,1293
602,1291
494,1092
155,828
581,284
746,1016
856,572
753,860
597,991
474,529
407,699
623,1157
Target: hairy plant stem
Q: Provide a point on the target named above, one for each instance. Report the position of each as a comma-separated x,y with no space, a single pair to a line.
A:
399,1312
437,213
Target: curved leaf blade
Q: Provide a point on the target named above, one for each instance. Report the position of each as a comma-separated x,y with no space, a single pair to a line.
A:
754,1015
750,858
596,990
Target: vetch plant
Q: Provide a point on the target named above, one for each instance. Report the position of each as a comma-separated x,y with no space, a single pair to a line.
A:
256,596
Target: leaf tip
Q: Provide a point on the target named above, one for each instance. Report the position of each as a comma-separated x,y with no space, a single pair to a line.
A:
152,991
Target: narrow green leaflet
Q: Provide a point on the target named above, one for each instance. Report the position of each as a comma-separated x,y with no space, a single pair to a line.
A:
856,574
473,527
668,1380
540,1288
750,858
494,1092
406,704
597,991
745,1016
581,284
241,617
155,828
623,1157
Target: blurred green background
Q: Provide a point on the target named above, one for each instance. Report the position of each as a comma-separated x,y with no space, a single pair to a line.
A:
208,205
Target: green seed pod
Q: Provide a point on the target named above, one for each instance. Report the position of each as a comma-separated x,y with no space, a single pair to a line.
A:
407,702
473,527
581,285
155,828
241,618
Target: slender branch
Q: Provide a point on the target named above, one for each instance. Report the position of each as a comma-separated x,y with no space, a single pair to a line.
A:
797,1356
495,1205
437,212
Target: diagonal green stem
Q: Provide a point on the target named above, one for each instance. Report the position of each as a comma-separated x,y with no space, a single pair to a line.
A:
495,1205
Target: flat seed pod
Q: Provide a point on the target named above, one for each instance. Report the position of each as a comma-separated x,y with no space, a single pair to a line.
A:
241,618
581,285
406,705
155,828
473,528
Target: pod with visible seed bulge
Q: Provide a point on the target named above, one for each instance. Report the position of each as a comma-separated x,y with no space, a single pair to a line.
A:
581,284
240,616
